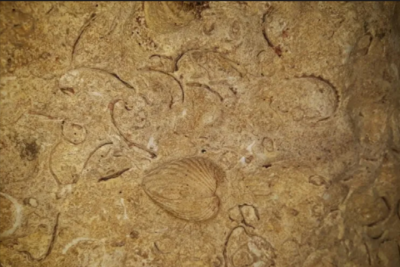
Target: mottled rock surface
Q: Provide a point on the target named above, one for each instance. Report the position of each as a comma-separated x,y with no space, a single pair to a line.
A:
200,134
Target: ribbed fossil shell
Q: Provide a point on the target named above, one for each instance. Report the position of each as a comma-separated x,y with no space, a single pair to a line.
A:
186,188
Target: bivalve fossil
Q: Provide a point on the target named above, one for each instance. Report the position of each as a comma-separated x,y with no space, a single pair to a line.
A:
186,188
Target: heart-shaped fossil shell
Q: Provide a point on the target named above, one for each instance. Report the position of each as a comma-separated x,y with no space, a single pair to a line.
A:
186,188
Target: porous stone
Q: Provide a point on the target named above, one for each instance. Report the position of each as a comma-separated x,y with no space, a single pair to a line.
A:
199,134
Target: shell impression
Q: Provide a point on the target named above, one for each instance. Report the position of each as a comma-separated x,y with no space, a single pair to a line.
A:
186,188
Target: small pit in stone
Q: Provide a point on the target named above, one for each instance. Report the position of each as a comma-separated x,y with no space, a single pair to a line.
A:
29,150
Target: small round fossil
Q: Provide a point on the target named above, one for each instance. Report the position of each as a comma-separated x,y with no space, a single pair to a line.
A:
73,133
11,212
245,249
186,188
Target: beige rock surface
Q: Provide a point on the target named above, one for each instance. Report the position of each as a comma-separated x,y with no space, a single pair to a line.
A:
200,134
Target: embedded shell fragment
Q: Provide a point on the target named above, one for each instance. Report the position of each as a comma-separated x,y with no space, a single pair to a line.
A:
186,188
164,17
297,102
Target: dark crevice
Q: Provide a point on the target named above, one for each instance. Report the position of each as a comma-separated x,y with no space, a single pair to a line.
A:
277,49
245,223
375,223
224,252
368,254
233,90
91,153
266,166
395,150
112,28
35,113
177,60
53,238
130,143
156,55
121,80
378,236
50,247
51,9
157,248
369,159
384,199
113,176
173,77
111,73
67,90
171,102
208,88
176,68
83,29
264,31
233,63
53,174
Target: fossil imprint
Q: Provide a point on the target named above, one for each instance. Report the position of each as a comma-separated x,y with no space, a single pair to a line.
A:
186,188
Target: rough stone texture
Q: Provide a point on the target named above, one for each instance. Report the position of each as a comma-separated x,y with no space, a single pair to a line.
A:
277,125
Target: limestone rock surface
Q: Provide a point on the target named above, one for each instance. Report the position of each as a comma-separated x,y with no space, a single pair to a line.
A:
200,134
